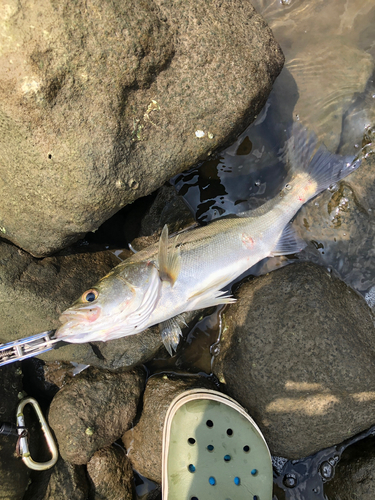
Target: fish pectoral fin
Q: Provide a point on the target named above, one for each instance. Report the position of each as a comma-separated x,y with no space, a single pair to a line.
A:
289,242
170,332
169,259
210,296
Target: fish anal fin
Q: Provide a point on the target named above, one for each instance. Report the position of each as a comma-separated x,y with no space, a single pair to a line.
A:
169,259
289,242
170,332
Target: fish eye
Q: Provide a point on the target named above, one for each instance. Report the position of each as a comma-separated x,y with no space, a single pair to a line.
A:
90,295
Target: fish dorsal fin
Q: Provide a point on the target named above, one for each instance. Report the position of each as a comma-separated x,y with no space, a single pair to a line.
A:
170,332
169,259
289,242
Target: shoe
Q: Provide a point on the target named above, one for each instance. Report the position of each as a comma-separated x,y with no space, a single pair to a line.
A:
212,449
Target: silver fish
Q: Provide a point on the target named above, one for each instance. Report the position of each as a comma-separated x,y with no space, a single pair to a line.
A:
189,271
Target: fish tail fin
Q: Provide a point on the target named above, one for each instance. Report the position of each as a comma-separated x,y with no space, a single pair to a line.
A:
323,167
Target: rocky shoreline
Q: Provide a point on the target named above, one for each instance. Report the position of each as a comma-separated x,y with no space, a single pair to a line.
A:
100,106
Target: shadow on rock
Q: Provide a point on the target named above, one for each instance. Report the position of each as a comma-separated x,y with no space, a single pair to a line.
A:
298,351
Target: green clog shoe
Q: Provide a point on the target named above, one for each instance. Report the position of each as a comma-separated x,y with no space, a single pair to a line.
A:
212,449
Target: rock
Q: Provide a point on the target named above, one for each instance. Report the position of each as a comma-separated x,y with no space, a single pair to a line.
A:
111,474
14,475
354,475
63,481
167,208
339,224
94,410
34,292
102,104
58,373
119,353
298,351
144,441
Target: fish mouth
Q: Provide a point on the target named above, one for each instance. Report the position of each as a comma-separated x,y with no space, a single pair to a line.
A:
84,315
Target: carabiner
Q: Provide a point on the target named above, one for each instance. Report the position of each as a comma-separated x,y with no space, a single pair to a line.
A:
22,436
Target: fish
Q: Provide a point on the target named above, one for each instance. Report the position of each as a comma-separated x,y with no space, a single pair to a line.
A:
191,270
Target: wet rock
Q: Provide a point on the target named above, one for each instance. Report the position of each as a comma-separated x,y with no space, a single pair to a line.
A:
298,351
101,104
167,208
14,475
144,441
355,473
111,474
339,226
94,410
63,481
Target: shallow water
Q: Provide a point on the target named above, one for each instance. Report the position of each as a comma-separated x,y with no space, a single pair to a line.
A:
328,85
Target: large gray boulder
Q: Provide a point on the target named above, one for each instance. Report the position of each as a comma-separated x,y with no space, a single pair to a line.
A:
103,102
298,351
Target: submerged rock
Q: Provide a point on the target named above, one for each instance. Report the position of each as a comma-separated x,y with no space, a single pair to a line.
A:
102,103
327,53
93,411
144,441
298,351
339,226
111,474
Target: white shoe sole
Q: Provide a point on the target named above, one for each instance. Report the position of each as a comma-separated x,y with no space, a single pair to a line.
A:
212,449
